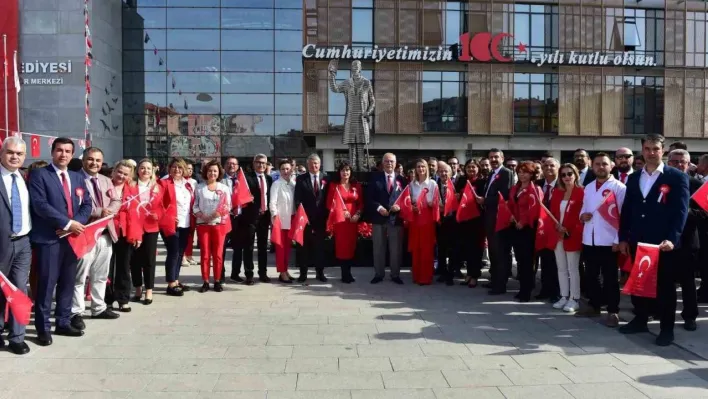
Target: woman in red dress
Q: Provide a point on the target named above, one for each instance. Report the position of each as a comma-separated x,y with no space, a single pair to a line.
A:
421,232
347,190
524,202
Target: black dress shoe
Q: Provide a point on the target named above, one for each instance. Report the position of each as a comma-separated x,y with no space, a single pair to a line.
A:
147,301
285,281
68,331
376,280
249,281
19,348
135,298
236,279
78,322
397,280
124,307
321,277
690,325
302,277
665,338
175,291
635,326
204,287
185,288
218,287
106,315
348,279
441,278
44,339
496,292
264,279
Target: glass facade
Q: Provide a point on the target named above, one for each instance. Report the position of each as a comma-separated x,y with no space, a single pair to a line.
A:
206,78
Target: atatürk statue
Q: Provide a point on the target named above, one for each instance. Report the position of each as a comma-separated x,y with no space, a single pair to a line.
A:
360,100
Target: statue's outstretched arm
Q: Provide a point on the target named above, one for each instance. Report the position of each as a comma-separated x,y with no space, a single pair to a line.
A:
372,101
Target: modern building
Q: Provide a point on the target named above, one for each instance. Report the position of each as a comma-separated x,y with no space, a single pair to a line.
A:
210,78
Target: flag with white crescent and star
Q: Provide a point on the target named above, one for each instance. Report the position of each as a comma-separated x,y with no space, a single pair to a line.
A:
642,279
35,149
609,210
297,231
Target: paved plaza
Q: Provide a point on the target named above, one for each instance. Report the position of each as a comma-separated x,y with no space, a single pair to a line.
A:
359,341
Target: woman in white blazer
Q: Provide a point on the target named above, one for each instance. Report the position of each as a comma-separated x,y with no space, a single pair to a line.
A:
282,205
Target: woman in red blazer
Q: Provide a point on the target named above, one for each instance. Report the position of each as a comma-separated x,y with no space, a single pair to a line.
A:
177,202
524,202
566,203
142,264
128,229
348,192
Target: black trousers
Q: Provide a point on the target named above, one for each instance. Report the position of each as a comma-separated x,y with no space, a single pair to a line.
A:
602,260
346,265
523,243
240,233
471,246
549,273
703,270
672,269
310,254
259,231
448,258
120,280
142,264
499,246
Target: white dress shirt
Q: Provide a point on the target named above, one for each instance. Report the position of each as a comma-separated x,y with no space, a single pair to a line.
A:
583,173
143,187
647,180
417,188
563,210
184,202
596,231
392,176
207,202
282,201
24,197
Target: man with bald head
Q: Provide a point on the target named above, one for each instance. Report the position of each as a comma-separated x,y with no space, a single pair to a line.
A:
624,159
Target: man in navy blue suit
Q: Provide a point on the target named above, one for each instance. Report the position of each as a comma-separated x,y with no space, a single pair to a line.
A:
60,204
383,190
654,212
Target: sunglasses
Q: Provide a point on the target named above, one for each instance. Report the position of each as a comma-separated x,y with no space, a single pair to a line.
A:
623,156
567,174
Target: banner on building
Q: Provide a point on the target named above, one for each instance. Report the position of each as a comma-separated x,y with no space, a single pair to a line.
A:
9,32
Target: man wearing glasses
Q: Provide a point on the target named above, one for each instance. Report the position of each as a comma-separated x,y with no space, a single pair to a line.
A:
257,217
624,159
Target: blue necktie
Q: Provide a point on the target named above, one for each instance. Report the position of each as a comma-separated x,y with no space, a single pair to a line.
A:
16,206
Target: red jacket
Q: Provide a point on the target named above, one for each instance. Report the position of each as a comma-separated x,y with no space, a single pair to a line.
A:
151,202
571,220
126,221
353,199
168,221
526,207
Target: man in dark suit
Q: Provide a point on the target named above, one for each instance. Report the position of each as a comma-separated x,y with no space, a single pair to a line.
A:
256,216
383,190
311,193
499,244
239,230
60,204
550,288
687,253
624,158
654,212
15,226
581,159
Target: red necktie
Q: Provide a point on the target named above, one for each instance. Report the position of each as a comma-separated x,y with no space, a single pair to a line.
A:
390,184
67,195
263,194
623,177
97,192
316,186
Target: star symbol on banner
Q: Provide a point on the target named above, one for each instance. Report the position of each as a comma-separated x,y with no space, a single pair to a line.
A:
521,47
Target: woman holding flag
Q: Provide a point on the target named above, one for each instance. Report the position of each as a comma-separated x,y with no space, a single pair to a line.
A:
566,204
524,203
282,208
129,231
471,224
345,203
421,233
142,264
212,204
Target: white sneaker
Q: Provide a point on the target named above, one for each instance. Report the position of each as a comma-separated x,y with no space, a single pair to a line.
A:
185,263
561,302
571,306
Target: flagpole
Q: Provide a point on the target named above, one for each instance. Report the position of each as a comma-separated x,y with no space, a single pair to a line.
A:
7,114
17,92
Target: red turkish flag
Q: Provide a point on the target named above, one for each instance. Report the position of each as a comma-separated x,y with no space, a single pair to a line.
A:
609,211
546,235
642,279
468,208
427,214
275,234
701,197
17,302
624,262
504,215
298,230
451,203
404,202
83,243
241,194
35,150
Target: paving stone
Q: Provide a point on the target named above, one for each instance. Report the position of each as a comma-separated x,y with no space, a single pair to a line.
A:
348,380
414,379
329,351
255,382
365,364
393,393
490,362
467,393
476,378
389,350
604,390
580,375
312,365
536,376
536,392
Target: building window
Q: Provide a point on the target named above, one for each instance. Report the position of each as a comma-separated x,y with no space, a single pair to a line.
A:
535,103
643,105
536,26
638,30
444,101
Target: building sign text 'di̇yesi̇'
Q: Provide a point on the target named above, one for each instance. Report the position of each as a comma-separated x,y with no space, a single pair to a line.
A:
480,47
44,73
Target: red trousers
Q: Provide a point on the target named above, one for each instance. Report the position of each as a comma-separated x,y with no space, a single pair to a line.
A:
282,252
211,246
421,244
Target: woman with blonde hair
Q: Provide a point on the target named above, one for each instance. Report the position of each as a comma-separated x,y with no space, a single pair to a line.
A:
142,264
421,233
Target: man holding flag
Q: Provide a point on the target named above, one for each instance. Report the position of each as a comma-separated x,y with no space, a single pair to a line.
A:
15,225
60,204
654,212
447,230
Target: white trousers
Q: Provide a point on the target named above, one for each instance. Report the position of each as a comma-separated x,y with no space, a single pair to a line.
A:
568,272
95,265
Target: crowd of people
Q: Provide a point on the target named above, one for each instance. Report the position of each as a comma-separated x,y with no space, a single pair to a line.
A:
410,210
